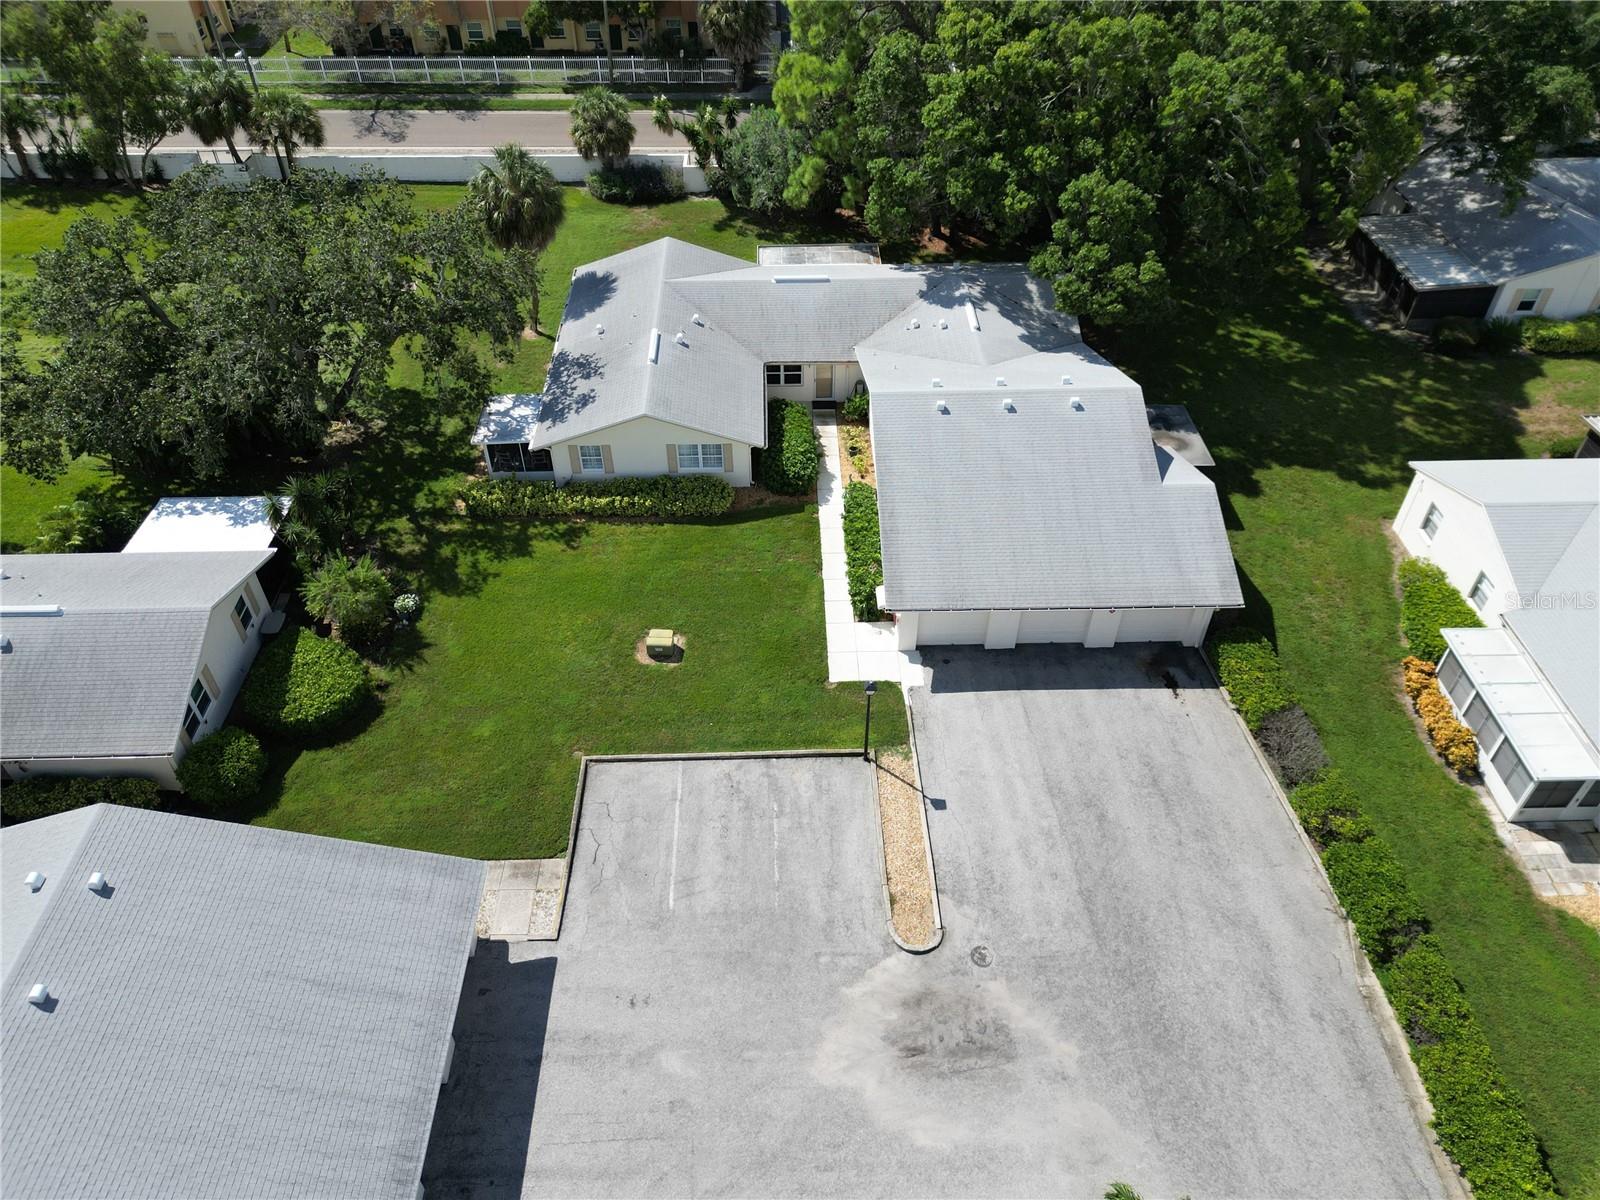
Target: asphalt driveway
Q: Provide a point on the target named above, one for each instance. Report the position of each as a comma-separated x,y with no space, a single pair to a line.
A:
1141,978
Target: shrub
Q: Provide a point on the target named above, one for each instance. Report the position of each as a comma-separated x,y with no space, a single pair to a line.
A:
1418,674
863,550
1500,335
1328,809
1453,740
47,795
637,183
223,769
354,596
663,497
1544,336
1565,447
1429,603
789,463
302,685
1251,672
761,154
1290,742
1478,1116
93,523
1456,335
856,406
1370,884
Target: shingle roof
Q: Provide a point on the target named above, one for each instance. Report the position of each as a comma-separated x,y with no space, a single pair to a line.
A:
1422,252
1044,507
205,523
1557,222
249,1013
105,669
1559,626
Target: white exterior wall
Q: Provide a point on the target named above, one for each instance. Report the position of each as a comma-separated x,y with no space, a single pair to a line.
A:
161,768
1465,545
228,656
639,447
1574,290
845,377
1002,629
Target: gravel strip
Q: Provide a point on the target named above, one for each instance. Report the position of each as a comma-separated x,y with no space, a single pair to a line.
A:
1585,907
905,850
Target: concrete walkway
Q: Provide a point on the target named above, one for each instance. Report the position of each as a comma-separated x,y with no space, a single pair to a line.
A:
857,650
522,899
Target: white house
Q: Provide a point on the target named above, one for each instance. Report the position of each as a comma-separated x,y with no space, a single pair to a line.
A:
114,664
1439,244
205,1008
1521,540
1022,496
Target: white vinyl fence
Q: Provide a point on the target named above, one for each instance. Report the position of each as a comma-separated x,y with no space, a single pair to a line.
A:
460,68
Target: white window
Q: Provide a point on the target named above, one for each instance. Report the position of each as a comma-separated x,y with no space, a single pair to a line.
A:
1479,595
1525,300
514,26
675,26
1431,521
199,704
786,374
591,30
699,456
592,458
475,31
242,610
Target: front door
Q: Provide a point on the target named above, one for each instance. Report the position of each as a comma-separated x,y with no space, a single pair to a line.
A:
452,35
616,37
824,381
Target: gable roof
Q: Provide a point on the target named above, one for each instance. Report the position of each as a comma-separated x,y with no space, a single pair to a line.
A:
236,1018
1558,221
1546,518
102,664
1050,506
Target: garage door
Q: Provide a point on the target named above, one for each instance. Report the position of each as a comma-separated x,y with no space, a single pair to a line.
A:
1054,625
952,628
1154,624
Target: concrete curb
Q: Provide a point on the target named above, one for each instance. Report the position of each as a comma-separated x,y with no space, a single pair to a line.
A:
583,777
1396,1047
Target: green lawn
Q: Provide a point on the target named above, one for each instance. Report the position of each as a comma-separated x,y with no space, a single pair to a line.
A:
1312,419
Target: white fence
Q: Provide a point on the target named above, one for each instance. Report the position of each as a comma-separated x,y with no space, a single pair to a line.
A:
442,167
460,68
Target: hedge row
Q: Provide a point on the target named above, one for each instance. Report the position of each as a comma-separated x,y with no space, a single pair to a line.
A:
663,497
863,549
1429,603
1478,1116
1250,670
637,183
47,795
1579,336
1453,740
223,769
303,685
789,463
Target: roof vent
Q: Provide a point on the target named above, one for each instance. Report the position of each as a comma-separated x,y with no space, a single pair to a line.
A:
35,881
943,324
1066,381
1008,406
5,645
937,382
941,406
1077,405
600,330
698,319
39,995
682,339
97,883
655,345
972,317
916,324
999,381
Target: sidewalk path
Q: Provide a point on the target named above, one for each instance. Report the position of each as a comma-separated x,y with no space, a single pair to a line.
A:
426,131
856,649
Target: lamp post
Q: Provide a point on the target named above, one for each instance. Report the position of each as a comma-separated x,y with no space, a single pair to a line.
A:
871,689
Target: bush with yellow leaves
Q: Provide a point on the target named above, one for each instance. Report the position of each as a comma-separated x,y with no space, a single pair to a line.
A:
1419,673
1452,739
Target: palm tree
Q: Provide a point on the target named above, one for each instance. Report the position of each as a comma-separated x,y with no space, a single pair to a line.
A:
602,126
215,103
739,31
520,204
20,114
280,120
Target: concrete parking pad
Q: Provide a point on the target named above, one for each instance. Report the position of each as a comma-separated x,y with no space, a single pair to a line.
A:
1140,978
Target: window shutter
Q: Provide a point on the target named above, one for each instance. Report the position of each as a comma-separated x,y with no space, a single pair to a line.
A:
1544,298
210,680
672,458
577,463
727,457
605,457
238,625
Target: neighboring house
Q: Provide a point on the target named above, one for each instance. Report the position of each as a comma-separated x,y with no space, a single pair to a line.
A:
1022,496
114,664
189,28
1521,540
1590,446
457,24
236,1011
1440,245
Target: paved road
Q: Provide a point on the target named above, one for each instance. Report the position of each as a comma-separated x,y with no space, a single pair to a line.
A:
1142,976
421,130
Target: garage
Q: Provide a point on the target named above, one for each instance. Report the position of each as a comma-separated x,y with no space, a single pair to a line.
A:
1001,629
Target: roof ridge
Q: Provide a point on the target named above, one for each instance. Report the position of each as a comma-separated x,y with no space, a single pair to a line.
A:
68,870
